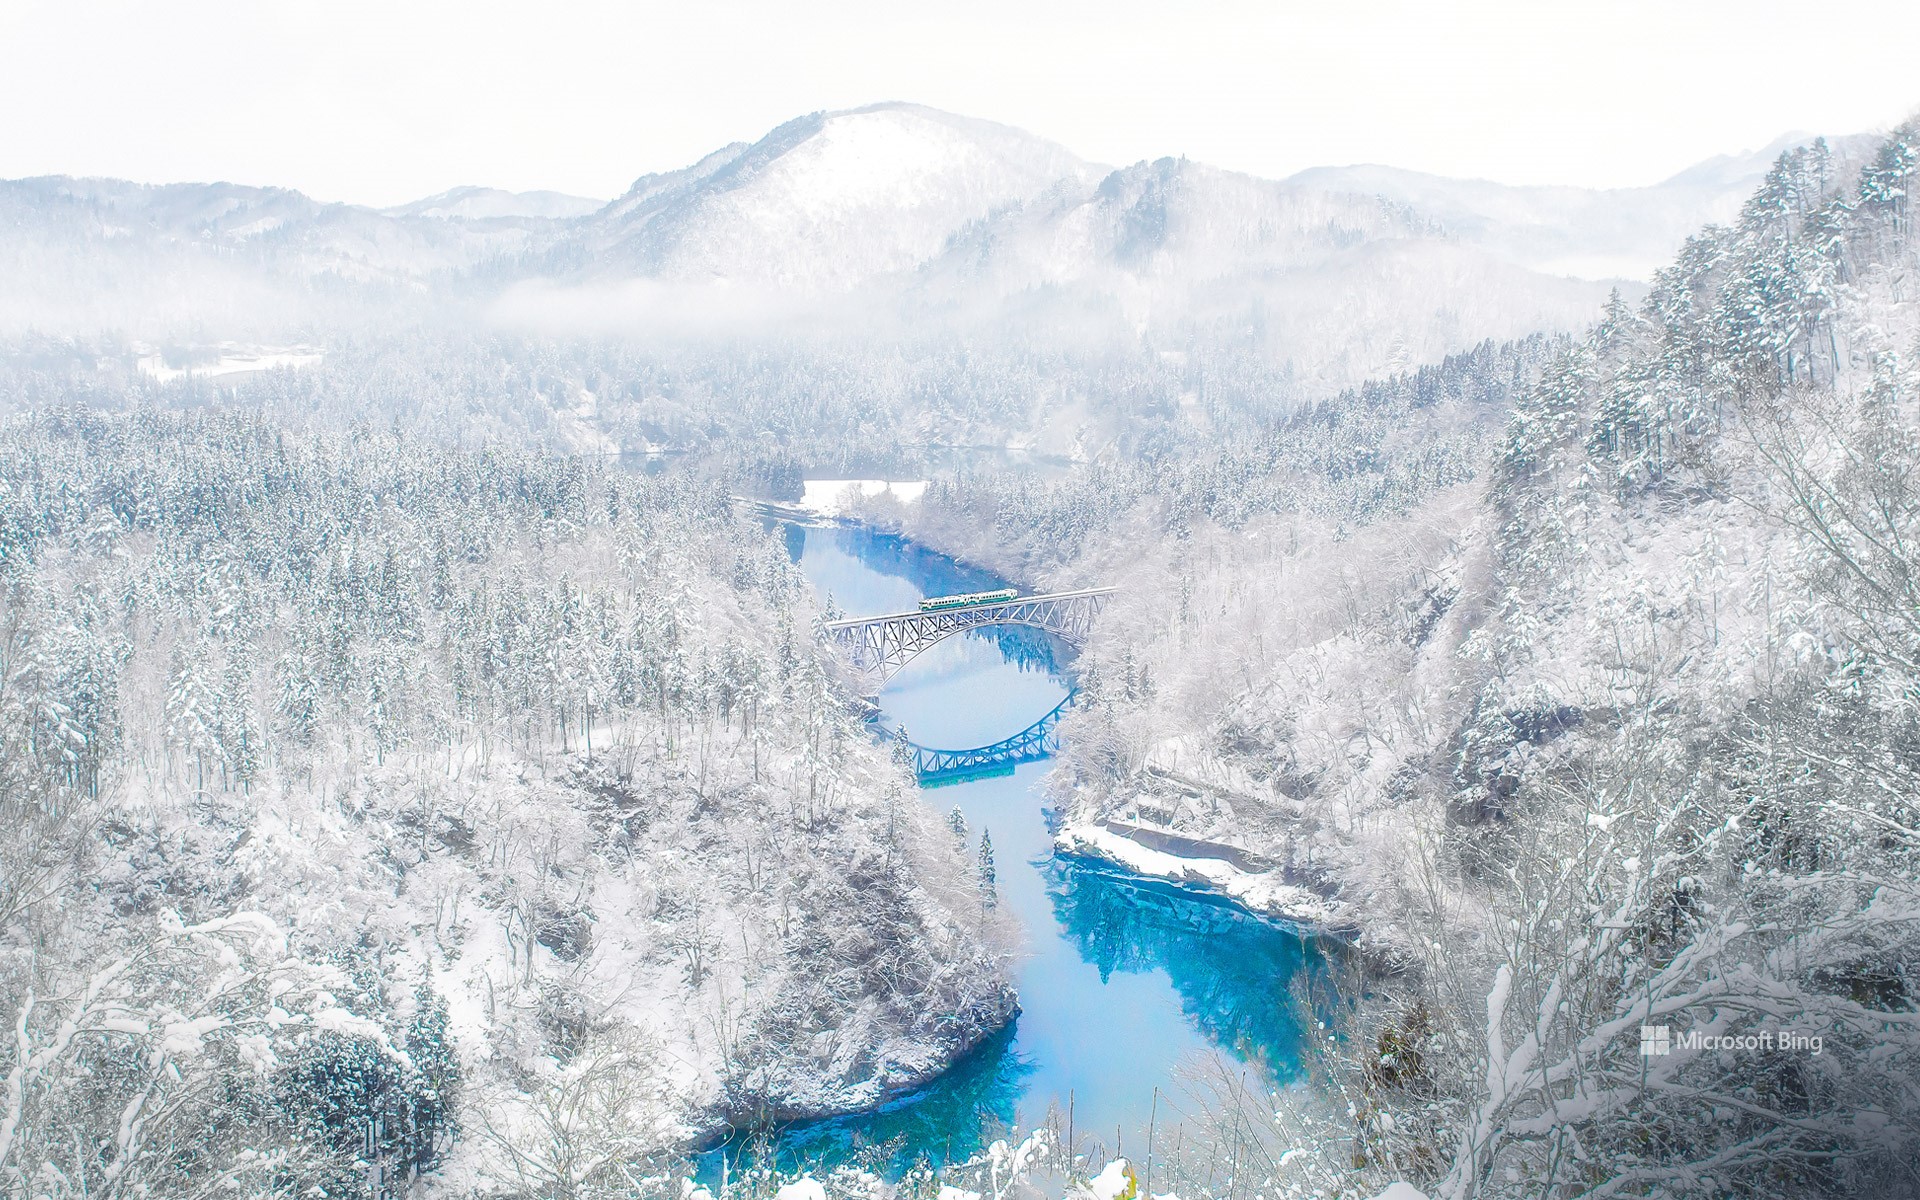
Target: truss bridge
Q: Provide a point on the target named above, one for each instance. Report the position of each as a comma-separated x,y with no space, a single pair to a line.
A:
880,646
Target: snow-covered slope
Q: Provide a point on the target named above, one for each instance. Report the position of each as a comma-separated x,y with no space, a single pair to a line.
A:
1594,233
1342,286
925,221
489,204
828,200
229,260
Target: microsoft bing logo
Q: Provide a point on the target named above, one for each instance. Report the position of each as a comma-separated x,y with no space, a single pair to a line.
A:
1655,1039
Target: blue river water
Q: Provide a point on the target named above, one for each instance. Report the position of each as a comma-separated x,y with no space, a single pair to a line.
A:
1126,984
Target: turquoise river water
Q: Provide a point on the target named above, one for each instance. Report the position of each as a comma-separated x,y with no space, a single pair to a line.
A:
1126,984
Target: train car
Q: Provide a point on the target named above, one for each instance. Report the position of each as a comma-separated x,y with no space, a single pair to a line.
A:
966,600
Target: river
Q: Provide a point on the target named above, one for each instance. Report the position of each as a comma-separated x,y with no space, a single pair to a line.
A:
1126,984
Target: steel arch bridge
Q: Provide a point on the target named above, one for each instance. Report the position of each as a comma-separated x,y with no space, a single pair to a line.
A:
1037,741
880,646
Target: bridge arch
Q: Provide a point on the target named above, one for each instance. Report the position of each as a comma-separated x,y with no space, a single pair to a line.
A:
1039,740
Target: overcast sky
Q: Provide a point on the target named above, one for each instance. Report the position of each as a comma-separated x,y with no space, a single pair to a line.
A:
379,102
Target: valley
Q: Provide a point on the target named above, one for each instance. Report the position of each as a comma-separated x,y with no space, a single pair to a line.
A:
437,765
1124,984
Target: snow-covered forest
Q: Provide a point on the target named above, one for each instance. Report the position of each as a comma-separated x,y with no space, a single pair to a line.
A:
326,754
421,776
1609,725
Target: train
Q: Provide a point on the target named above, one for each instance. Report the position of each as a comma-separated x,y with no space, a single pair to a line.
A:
966,600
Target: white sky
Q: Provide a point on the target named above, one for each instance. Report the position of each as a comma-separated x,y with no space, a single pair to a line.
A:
380,102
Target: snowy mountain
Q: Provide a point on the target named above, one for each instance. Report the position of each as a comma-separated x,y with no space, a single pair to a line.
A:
1339,285
923,222
81,255
1334,274
1593,233
489,204
933,218
827,201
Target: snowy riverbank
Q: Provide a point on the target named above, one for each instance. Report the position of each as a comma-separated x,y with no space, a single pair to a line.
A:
842,497
1209,866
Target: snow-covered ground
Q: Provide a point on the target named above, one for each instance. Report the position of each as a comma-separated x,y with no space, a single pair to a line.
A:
685,911
837,497
1260,891
238,362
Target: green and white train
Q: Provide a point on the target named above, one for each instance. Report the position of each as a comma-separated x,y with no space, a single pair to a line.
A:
966,600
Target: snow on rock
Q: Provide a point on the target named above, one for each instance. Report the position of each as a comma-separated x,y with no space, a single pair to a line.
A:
807,1188
1401,1191
1116,1181
1259,891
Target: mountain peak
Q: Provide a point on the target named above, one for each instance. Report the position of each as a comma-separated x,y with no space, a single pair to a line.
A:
830,199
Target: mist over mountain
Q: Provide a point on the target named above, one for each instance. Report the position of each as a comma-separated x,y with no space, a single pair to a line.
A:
1335,286
219,260
827,201
860,219
865,224
1592,233
484,203
436,767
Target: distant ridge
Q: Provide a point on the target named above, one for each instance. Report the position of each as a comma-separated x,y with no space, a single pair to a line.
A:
882,220
483,203
1591,233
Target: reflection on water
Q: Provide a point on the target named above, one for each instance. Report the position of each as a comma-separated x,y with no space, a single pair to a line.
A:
953,1119
843,567
1027,648
1233,971
1123,981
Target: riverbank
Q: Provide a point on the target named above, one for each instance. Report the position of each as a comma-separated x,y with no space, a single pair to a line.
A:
725,1121
1262,889
1211,866
1125,979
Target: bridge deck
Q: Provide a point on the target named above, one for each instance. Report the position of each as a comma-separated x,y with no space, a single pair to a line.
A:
881,645
919,613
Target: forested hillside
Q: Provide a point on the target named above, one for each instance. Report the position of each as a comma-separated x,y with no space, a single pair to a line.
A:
835,254
753,415
1365,455
375,807
418,777
1618,734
